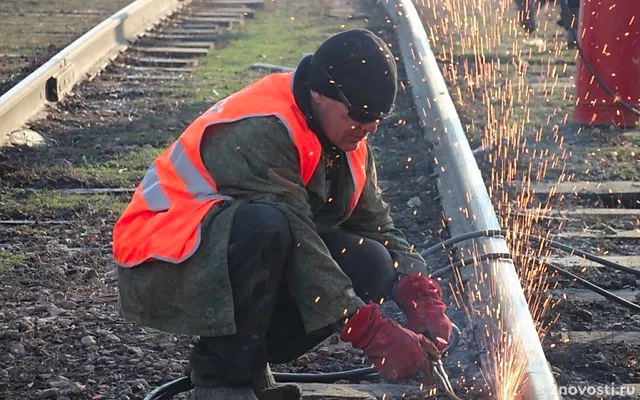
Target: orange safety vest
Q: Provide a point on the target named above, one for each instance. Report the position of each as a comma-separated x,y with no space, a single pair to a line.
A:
162,222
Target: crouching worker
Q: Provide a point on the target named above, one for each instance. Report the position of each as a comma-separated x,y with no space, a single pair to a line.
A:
261,229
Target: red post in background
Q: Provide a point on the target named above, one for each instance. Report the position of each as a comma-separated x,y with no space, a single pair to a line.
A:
609,35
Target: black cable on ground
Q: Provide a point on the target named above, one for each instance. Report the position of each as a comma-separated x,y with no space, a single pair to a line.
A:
552,243
368,373
469,261
594,287
493,256
170,389
183,384
584,254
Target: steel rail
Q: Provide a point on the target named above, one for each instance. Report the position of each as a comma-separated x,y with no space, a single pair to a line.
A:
464,197
80,60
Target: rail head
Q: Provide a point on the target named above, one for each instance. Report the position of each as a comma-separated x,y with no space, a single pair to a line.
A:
464,197
84,57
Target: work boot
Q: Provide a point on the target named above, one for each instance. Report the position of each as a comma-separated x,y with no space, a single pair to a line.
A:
266,388
222,393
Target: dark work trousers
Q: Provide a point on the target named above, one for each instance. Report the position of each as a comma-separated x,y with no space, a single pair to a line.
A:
269,325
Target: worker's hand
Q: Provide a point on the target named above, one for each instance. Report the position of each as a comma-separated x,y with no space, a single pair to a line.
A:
396,352
421,300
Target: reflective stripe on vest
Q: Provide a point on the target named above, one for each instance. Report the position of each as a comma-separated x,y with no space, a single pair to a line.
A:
358,166
162,222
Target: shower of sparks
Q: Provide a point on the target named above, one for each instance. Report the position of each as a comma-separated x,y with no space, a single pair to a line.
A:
483,54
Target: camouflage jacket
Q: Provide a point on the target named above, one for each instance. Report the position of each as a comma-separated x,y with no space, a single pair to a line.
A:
254,160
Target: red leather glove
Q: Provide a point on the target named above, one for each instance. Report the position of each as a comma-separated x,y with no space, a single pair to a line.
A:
420,298
396,352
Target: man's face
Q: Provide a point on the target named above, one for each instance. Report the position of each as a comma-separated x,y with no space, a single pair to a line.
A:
340,129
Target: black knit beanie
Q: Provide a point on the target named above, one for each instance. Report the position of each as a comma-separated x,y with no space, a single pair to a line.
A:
361,65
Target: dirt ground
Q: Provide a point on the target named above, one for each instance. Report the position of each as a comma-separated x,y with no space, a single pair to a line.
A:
60,333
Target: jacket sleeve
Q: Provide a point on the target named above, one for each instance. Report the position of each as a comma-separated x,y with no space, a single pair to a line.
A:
371,219
255,160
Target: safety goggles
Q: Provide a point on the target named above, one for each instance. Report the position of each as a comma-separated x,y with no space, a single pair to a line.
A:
356,114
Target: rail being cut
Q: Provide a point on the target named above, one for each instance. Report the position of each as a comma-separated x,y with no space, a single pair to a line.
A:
467,207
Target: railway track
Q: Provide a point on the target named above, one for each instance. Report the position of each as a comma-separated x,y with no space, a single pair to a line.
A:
549,177
33,32
58,209
60,201
165,47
